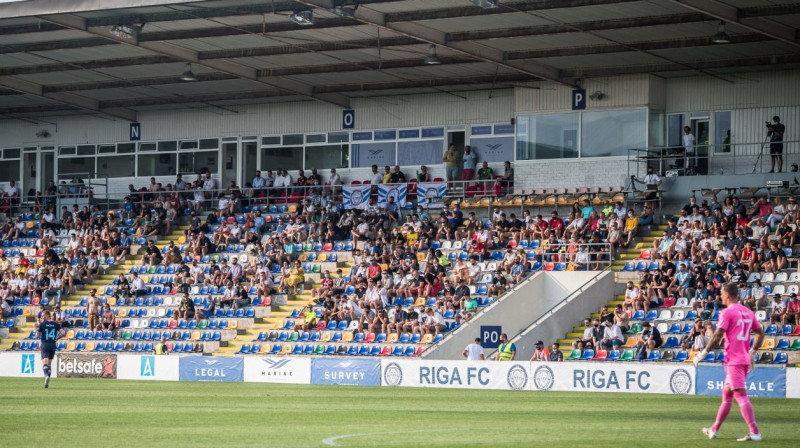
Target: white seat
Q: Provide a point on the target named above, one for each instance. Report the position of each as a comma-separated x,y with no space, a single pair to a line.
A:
167,301
662,327
492,266
62,233
134,323
781,277
144,323
682,302
195,290
472,289
794,277
482,266
161,312
446,245
665,315
793,289
779,289
753,277
761,315
243,258
151,312
353,325
458,244
768,277
678,314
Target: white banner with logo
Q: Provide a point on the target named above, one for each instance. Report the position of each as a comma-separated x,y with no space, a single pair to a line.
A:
792,382
23,364
286,370
431,194
355,196
148,367
613,377
455,374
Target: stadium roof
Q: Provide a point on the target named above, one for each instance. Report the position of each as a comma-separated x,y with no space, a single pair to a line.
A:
117,57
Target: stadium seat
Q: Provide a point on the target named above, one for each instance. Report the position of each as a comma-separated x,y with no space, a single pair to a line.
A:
654,355
600,355
587,355
680,356
780,358
627,355
672,342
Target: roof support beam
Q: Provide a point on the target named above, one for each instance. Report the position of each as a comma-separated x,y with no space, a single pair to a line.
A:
635,46
187,55
730,13
371,16
69,99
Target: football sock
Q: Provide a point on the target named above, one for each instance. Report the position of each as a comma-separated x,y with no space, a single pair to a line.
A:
747,411
724,408
46,370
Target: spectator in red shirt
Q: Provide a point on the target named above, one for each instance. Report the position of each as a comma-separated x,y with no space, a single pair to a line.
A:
557,224
791,314
374,271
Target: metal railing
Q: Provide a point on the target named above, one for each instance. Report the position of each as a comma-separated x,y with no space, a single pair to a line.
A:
725,158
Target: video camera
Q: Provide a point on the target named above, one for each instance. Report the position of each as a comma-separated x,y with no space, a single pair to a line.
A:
769,124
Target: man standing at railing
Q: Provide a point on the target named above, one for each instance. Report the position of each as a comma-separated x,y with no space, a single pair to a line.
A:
450,160
775,133
689,143
470,160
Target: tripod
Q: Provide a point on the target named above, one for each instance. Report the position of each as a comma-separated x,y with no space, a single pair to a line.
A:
760,154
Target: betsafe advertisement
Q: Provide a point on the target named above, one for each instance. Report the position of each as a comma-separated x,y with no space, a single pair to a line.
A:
86,366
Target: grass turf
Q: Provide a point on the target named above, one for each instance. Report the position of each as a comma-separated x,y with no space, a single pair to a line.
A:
102,413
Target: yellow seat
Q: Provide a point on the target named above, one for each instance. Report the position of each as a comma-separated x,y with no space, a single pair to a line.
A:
392,338
111,300
181,239
265,348
146,279
326,336
421,301
29,225
322,257
27,312
89,347
292,208
71,347
302,257
347,336
426,339
287,349
768,344
233,324
279,324
421,256
70,334
195,335
630,342
123,312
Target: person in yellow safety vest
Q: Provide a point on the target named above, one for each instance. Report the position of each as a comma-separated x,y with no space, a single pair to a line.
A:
506,351
161,347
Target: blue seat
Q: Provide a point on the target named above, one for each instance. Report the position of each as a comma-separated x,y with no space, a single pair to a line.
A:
342,325
674,328
404,338
783,344
244,349
641,266
771,330
709,357
690,315
655,355
437,338
397,351
337,336
613,355
330,350
352,350
380,337
375,351
653,266
672,342
587,355
358,337
681,356
148,347
308,349
561,267
780,358
138,347
409,351
652,315
314,337
638,315
332,325
298,349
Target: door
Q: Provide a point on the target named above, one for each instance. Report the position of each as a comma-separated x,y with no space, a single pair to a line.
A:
249,162
457,138
700,130
30,176
230,158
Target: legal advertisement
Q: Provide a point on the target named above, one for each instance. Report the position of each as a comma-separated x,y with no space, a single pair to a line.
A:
208,368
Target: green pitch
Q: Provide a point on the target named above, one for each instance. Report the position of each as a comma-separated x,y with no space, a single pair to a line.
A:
98,413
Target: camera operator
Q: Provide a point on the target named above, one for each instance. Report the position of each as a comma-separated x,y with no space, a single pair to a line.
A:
651,182
775,133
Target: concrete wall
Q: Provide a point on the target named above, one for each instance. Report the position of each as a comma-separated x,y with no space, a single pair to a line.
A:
515,311
555,324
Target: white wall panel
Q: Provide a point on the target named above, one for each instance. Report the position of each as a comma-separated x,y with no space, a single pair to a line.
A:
620,91
746,90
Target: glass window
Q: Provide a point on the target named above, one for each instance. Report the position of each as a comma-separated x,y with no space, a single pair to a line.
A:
126,148
722,131
293,139
106,149
196,161
329,156
167,146
156,164
270,141
286,158
387,134
209,143
338,137
188,145
66,150
675,130
9,170
368,154
116,166
656,129
613,132
315,138
86,150
149,146
76,165
547,136
425,152
11,153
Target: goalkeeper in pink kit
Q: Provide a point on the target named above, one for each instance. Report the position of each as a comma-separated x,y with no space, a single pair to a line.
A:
735,324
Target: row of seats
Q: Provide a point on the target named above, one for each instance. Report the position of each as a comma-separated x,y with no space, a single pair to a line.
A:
64,346
667,355
320,349
346,336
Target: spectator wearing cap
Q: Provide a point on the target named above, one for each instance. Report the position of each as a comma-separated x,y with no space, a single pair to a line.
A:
541,353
